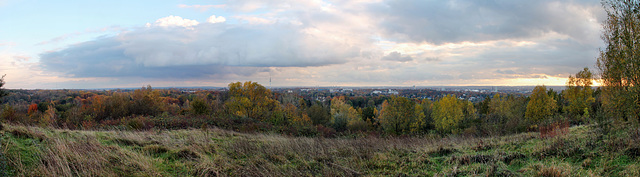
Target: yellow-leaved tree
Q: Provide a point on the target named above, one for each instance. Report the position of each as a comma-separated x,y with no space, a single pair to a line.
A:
296,117
252,100
541,106
400,115
343,115
449,112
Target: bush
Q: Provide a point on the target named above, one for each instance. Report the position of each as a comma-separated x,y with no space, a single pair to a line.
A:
139,123
326,132
8,114
199,107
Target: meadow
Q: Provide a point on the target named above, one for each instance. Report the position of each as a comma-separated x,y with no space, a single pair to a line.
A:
579,151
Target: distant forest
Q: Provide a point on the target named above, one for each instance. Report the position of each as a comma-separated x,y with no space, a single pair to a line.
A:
250,107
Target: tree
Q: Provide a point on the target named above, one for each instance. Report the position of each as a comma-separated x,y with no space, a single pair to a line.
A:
146,101
319,114
541,106
117,106
505,113
448,112
579,95
296,117
400,115
33,108
8,113
343,115
427,110
619,61
253,100
3,92
49,117
199,106
369,114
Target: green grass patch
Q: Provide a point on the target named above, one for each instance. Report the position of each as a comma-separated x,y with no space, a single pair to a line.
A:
33,151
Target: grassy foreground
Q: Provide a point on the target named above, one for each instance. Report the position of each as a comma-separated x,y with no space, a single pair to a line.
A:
34,151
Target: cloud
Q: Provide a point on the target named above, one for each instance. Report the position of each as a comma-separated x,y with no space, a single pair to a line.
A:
202,8
206,49
107,58
21,58
508,71
431,59
173,21
75,34
468,20
214,19
396,56
254,19
350,42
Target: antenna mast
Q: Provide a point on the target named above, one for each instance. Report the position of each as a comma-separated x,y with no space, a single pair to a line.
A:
269,80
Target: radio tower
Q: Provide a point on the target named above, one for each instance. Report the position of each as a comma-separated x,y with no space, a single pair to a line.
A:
269,80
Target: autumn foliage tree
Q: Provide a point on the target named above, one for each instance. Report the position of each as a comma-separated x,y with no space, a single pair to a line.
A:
146,101
541,106
505,113
619,61
343,115
449,112
296,117
400,115
33,108
252,100
579,95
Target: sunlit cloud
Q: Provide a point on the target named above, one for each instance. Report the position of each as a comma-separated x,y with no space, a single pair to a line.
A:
214,19
171,21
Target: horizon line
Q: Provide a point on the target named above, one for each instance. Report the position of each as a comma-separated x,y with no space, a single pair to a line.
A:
275,87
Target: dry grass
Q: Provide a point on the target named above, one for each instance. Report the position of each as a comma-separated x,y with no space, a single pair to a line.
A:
33,151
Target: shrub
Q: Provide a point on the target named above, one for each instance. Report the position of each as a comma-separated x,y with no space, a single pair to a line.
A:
8,114
199,107
139,123
326,132
554,129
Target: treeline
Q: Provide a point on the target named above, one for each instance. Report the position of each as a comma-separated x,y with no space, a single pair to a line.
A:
250,107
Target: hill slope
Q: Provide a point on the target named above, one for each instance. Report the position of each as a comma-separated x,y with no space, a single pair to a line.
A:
34,151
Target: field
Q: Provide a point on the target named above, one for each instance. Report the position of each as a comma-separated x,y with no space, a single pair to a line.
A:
35,151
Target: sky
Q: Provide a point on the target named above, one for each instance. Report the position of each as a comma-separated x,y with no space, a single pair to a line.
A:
124,44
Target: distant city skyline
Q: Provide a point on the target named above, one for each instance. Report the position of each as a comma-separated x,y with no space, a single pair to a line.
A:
129,44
